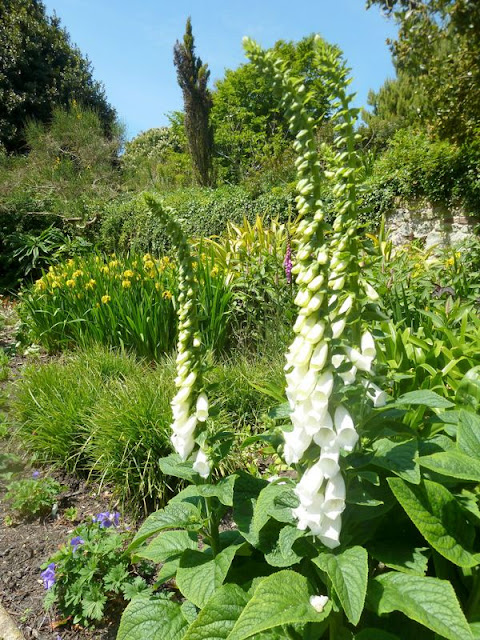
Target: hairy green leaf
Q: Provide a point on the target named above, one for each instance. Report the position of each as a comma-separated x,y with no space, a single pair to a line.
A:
218,617
453,464
282,598
200,574
439,518
399,457
469,434
168,545
348,571
398,554
152,619
175,515
429,601
424,397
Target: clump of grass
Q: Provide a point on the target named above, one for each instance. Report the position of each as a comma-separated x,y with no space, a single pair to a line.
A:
52,403
130,432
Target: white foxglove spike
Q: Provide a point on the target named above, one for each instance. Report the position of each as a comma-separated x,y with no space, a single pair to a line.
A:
376,395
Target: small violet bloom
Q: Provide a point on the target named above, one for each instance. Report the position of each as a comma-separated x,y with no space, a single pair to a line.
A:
107,519
76,542
287,263
49,576
35,475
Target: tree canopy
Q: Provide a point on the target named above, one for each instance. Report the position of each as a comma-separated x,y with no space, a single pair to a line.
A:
40,69
248,123
438,45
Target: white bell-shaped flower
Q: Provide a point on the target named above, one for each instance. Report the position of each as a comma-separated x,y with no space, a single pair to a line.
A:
347,436
202,464
202,407
334,503
330,534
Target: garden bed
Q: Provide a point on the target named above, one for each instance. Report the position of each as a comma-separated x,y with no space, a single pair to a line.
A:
24,547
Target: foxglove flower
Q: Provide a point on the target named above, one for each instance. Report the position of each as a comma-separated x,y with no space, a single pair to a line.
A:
327,353
190,403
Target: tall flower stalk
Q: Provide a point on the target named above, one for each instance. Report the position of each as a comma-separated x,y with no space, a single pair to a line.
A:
331,350
190,403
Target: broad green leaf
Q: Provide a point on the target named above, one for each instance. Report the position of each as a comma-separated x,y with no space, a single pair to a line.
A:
175,515
173,465
200,574
469,434
276,544
429,601
399,457
216,620
168,570
375,634
475,629
222,490
439,518
189,611
281,411
399,555
245,494
282,598
453,464
425,397
152,619
168,545
348,571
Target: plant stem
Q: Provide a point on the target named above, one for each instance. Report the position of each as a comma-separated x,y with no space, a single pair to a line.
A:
213,533
473,605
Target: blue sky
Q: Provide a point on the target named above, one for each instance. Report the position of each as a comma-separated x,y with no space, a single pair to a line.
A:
130,46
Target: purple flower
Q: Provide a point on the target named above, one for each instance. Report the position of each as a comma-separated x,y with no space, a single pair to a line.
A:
49,576
287,263
35,475
76,542
107,519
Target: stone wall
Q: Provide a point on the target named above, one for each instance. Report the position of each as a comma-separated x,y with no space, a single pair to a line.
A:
434,224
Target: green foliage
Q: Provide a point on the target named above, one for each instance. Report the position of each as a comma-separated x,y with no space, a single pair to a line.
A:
438,45
399,104
416,166
50,198
93,574
251,131
155,159
33,497
40,70
127,225
91,300
192,76
52,403
411,487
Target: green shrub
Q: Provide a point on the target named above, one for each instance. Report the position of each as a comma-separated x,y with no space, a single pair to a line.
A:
417,166
127,225
96,551
129,431
32,497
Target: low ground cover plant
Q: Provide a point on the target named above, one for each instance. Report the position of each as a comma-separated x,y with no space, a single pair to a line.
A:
374,532
92,574
33,497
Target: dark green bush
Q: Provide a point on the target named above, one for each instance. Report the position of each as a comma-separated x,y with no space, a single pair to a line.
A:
128,226
417,166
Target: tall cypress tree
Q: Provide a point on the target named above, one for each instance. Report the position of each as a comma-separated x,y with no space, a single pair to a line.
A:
192,77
